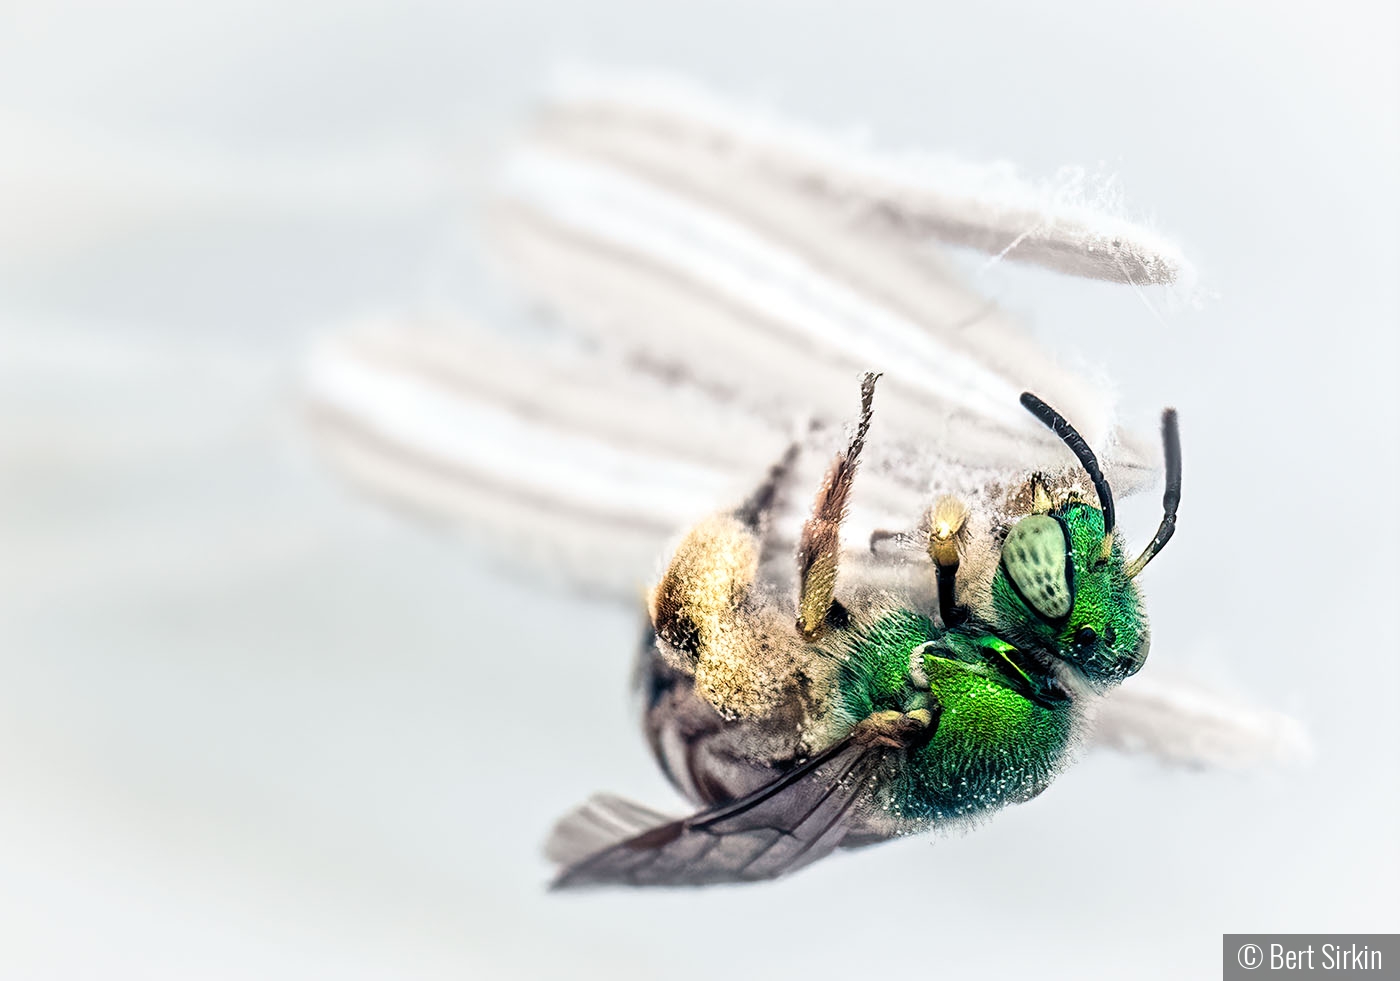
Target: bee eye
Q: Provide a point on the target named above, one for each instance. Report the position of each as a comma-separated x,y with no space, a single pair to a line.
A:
1110,636
1085,636
1035,556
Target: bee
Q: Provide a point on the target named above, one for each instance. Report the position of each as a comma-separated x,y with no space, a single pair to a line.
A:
907,648
830,708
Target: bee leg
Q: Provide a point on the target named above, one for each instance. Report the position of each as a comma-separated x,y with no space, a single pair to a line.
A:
756,511
947,519
722,550
879,536
902,730
1041,502
704,586
820,545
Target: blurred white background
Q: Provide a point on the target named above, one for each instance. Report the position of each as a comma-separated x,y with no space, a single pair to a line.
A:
252,725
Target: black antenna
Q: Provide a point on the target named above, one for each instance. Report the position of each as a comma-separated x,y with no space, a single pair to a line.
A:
1060,426
1171,497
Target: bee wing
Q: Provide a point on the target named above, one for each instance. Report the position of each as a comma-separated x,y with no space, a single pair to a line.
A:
1183,723
795,820
598,823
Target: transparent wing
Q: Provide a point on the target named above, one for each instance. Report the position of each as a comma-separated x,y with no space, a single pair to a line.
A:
792,822
598,823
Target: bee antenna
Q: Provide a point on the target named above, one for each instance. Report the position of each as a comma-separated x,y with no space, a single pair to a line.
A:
1171,498
1060,426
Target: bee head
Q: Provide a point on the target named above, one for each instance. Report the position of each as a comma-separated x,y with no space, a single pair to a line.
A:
1063,583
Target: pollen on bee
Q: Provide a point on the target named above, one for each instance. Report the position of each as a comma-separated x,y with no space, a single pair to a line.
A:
946,520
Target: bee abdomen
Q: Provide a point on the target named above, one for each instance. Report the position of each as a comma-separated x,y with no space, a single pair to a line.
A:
716,623
709,759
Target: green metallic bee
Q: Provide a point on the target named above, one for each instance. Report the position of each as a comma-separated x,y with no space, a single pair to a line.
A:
705,276
803,710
